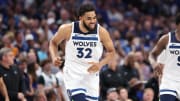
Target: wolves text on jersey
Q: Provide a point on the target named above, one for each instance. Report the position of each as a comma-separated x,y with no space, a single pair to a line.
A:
175,52
84,43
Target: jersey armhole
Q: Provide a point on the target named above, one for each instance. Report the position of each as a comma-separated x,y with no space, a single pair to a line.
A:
98,33
169,37
169,40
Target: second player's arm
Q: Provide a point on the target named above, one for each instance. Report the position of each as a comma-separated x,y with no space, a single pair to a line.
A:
158,48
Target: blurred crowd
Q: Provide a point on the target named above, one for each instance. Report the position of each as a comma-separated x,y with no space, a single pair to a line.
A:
26,26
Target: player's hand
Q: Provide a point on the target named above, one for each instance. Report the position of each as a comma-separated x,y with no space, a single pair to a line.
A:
57,61
94,68
158,69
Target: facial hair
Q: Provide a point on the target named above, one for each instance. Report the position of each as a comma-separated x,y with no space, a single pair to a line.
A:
87,28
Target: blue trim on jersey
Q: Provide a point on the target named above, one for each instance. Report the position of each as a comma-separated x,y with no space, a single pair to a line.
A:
93,98
177,47
84,38
78,89
173,38
167,90
77,29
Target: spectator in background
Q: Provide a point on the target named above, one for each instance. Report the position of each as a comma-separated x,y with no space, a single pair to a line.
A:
128,69
52,96
19,42
7,40
40,95
30,41
31,70
153,83
148,33
64,17
29,91
31,55
42,53
143,68
116,36
111,77
111,95
114,16
148,94
136,89
11,75
123,94
48,81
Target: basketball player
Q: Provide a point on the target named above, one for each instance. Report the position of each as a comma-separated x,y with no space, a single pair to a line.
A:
84,47
170,83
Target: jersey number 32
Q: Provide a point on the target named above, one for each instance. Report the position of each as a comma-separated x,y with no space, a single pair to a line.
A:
84,52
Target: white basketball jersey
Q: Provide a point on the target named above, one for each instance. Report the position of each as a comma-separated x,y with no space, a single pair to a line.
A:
82,48
172,62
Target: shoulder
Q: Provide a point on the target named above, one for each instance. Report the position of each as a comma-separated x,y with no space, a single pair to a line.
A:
163,41
66,27
102,30
104,34
63,33
165,37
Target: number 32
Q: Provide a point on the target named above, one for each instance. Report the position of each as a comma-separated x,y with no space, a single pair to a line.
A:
84,52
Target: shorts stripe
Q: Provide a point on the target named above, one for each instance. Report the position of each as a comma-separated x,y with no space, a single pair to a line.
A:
77,91
92,98
167,91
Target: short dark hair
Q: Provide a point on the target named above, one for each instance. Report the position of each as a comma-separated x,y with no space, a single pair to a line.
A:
178,19
44,62
85,8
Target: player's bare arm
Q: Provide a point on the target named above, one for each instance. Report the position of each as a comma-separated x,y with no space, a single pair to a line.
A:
158,48
110,51
63,33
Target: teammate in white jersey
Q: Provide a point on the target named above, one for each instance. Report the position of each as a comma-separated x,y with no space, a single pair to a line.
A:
83,50
169,44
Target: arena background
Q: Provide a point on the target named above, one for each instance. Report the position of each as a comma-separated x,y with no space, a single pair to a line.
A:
26,26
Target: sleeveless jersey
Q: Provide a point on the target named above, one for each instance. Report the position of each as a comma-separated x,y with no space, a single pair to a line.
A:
172,62
82,48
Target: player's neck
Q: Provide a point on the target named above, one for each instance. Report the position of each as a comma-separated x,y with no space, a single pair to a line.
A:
82,28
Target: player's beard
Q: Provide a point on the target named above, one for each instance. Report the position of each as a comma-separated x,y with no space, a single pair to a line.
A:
87,27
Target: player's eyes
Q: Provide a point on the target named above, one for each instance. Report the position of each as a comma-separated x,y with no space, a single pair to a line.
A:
91,18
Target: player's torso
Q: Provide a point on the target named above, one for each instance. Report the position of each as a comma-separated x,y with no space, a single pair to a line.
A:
83,48
172,55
